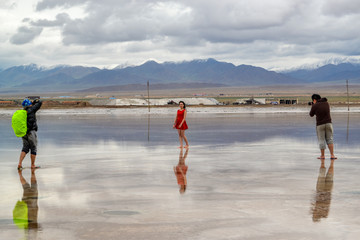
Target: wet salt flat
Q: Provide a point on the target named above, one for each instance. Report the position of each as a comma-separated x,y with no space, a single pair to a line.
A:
251,174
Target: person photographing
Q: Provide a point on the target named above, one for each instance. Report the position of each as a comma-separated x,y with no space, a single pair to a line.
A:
30,139
324,129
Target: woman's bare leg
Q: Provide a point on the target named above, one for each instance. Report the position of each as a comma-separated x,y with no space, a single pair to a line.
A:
185,138
180,138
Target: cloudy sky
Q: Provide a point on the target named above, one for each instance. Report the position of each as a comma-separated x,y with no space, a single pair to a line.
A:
276,34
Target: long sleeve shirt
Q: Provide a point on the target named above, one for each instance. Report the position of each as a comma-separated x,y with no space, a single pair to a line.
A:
322,111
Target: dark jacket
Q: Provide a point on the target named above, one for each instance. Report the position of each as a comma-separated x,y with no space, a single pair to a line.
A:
31,115
322,111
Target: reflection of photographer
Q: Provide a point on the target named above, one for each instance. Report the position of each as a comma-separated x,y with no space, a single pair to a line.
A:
25,214
324,186
324,128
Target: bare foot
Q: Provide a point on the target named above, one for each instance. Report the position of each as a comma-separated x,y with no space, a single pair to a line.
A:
321,157
187,146
180,147
19,167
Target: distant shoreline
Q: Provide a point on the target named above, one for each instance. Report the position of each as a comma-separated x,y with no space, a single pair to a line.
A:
193,110
190,106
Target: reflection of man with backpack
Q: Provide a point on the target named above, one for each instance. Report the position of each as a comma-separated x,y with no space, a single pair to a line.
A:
25,213
30,138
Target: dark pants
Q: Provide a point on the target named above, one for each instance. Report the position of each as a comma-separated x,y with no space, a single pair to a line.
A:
30,142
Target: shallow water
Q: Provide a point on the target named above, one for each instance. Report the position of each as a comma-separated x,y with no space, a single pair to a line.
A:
249,176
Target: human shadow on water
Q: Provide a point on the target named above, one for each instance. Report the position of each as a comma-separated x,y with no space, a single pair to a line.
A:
324,185
180,171
25,213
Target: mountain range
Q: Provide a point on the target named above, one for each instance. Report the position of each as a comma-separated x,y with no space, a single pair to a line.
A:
329,73
187,74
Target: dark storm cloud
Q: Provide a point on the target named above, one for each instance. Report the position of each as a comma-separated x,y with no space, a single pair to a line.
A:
60,20
108,25
48,4
235,22
25,35
122,21
341,8
260,30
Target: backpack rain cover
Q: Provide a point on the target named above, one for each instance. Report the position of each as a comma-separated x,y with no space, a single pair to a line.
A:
19,123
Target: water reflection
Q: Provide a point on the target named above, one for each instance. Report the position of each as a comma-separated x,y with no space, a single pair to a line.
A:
25,213
321,205
347,127
180,171
148,127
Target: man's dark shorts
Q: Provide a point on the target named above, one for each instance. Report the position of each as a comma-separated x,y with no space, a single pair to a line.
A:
30,142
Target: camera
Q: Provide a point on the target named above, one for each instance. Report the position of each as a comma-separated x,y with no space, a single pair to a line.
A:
34,99
310,103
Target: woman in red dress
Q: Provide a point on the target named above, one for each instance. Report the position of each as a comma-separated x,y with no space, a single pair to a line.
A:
180,124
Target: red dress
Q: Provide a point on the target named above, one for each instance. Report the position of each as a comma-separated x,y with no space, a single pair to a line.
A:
181,174
179,118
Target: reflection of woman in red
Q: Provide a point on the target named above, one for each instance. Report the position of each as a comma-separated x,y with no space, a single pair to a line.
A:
180,124
180,171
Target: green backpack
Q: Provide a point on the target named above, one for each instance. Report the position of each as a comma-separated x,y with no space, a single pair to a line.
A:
19,123
20,214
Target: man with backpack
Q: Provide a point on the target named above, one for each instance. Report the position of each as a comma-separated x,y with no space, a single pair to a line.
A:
30,139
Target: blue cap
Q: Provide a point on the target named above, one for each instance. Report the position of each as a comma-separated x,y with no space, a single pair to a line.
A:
26,102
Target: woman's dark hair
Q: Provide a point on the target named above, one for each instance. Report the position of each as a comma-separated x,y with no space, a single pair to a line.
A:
316,97
183,103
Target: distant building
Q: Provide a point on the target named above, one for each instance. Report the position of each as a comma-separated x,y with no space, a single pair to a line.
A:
71,102
171,102
7,102
65,97
250,101
288,101
33,97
